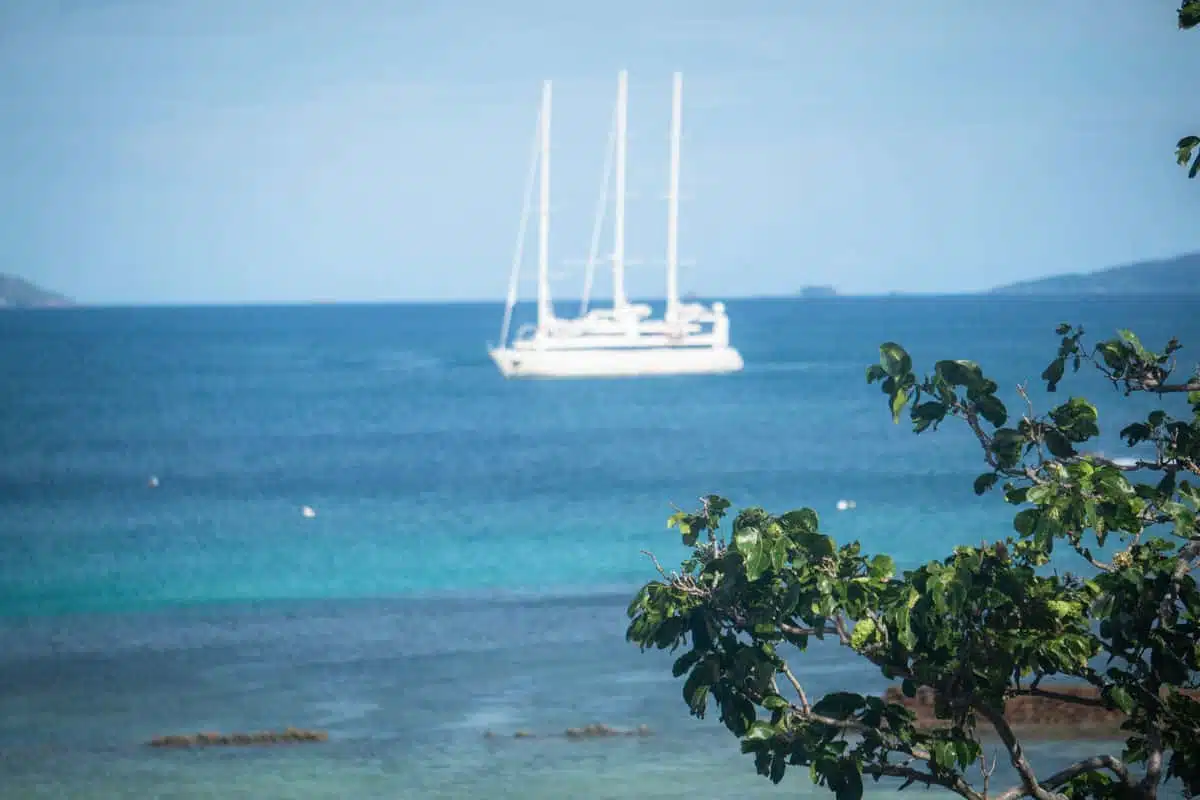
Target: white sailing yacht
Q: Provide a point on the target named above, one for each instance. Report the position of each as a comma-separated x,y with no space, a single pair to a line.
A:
623,340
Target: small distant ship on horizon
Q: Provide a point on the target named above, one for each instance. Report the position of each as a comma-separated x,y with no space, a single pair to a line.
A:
817,291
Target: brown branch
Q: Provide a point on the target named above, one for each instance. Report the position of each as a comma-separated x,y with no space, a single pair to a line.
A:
1154,762
954,783
1087,556
1094,764
682,583
1151,385
839,624
805,708
657,565
1050,694
985,441
797,630
986,772
1105,461
1187,554
1029,781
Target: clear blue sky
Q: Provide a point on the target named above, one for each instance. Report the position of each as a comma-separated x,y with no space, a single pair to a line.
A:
289,150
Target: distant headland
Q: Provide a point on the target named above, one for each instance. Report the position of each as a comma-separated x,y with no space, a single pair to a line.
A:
19,293
1178,275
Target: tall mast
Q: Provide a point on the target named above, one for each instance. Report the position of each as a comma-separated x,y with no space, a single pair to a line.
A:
673,199
619,299
545,308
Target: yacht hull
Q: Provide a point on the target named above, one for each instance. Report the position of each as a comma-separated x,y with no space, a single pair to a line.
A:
616,362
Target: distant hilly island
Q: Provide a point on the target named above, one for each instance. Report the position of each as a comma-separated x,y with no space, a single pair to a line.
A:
1178,275
19,293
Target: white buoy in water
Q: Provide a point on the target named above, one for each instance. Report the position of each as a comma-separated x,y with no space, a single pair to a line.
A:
153,482
842,505
308,511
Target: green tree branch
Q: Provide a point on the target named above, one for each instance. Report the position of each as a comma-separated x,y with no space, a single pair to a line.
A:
979,627
983,625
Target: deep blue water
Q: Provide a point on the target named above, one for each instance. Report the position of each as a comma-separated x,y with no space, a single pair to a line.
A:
475,540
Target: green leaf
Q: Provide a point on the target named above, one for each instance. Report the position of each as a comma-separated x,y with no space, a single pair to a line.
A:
1025,522
864,629
875,372
1136,432
685,662
760,732
804,520
1121,699
1054,373
899,399
774,702
882,567
1061,609
992,409
839,705
777,553
1058,445
927,413
850,786
985,481
959,373
1040,494
1077,419
778,768
894,360
749,543
1007,445
815,545
696,687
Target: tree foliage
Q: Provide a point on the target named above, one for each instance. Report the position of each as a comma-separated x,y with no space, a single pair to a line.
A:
985,624
1187,151
979,627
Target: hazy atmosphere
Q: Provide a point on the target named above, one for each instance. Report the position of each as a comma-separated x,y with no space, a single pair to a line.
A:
302,497
196,151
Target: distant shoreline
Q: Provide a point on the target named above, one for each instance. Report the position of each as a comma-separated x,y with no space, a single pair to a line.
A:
567,302
1170,277
1173,277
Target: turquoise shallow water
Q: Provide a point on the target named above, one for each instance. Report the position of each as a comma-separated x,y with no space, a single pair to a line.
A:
475,542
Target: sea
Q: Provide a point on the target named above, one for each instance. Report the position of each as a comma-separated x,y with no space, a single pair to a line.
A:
473,542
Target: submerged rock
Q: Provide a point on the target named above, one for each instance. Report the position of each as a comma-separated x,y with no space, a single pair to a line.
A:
286,736
593,731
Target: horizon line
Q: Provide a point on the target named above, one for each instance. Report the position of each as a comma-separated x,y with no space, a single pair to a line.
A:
893,295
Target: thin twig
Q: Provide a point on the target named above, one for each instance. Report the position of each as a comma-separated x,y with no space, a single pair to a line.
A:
805,708
1058,779
986,772
657,565
1029,781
